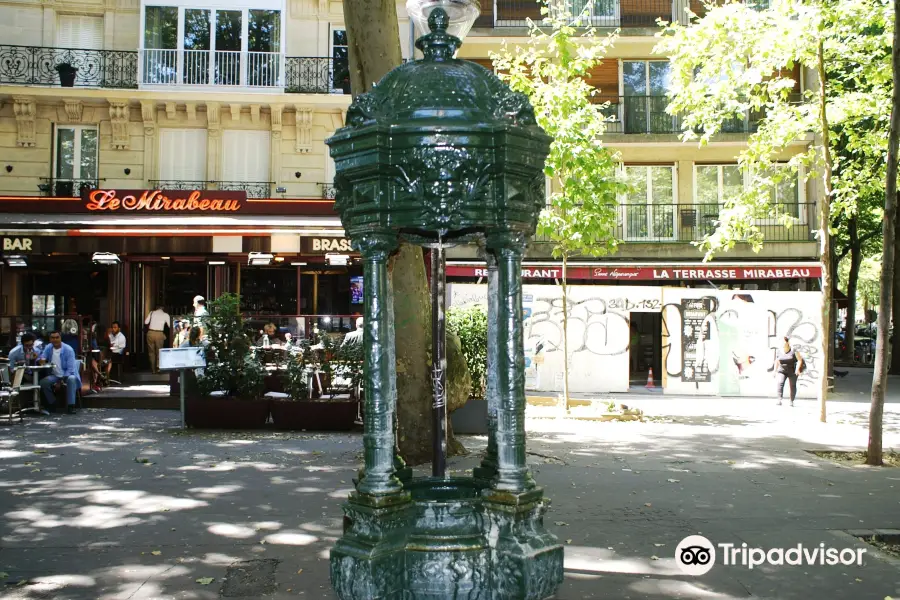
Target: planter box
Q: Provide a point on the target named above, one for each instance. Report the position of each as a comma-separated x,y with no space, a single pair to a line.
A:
472,418
314,416
226,413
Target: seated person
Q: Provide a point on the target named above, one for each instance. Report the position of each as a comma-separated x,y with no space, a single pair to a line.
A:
65,372
117,345
24,354
270,332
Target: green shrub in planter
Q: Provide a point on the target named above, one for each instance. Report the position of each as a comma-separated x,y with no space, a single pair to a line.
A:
230,365
470,324
296,376
348,363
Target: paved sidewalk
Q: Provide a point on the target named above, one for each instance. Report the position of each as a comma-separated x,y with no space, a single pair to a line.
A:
120,504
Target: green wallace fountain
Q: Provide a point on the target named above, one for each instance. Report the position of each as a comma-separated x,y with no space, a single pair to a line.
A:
441,152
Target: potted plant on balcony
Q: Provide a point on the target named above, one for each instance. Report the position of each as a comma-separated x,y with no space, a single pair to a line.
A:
67,74
230,388
311,411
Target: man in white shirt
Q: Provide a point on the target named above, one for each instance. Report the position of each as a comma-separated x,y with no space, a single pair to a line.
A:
117,344
156,323
200,314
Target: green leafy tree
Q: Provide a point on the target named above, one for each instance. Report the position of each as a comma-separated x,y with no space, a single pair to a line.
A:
735,61
581,213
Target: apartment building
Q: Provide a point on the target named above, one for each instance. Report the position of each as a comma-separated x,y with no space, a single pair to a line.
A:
192,133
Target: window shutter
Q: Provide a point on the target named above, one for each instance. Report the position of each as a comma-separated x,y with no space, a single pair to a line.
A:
246,156
79,31
182,154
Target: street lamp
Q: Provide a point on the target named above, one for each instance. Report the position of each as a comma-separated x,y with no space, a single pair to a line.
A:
439,153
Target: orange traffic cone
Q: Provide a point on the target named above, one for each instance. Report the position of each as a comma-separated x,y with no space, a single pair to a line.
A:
650,385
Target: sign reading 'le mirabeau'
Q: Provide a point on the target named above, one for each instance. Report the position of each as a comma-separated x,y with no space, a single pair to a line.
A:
165,201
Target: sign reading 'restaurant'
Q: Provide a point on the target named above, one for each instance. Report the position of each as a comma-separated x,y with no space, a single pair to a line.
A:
786,271
201,201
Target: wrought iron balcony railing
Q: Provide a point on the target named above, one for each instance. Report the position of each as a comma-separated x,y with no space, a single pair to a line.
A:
647,114
66,188
328,191
684,223
316,75
254,189
175,184
600,13
35,65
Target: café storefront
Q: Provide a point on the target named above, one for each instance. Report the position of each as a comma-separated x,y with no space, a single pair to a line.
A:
111,254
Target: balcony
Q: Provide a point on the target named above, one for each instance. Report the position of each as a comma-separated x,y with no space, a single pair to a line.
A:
685,223
212,68
647,114
329,191
268,71
66,188
35,65
254,189
627,14
602,13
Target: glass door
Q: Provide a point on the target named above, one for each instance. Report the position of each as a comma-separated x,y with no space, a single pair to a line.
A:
76,160
649,208
645,85
197,40
228,47
159,62
264,48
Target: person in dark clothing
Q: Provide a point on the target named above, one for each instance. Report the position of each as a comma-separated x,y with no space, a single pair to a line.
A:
788,365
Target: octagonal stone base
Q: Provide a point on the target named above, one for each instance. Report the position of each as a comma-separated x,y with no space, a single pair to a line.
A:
447,538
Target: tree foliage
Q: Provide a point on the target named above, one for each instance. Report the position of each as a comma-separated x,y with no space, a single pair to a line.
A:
737,60
581,214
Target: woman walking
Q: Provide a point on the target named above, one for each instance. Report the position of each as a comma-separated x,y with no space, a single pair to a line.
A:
788,365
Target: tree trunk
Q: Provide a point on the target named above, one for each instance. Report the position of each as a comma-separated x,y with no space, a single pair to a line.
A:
373,35
895,302
852,282
565,324
879,377
374,49
825,241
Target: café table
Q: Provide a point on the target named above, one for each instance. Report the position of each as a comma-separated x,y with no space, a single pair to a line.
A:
35,388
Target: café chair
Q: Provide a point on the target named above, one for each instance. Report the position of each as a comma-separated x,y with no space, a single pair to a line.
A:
10,392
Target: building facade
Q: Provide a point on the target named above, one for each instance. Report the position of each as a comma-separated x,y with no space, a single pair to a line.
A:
231,101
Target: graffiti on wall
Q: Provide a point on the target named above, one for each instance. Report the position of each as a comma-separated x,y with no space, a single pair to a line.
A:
714,342
726,342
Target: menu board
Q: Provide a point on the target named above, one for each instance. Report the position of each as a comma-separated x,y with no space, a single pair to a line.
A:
190,357
695,335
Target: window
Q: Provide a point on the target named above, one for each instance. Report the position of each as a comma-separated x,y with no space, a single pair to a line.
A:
644,87
340,61
77,31
715,185
599,12
43,310
75,159
649,208
182,155
245,161
219,46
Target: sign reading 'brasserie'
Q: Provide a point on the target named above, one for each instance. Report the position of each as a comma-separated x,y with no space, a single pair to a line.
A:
202,201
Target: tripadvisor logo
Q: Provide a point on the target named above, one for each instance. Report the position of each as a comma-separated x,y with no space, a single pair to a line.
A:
696,555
